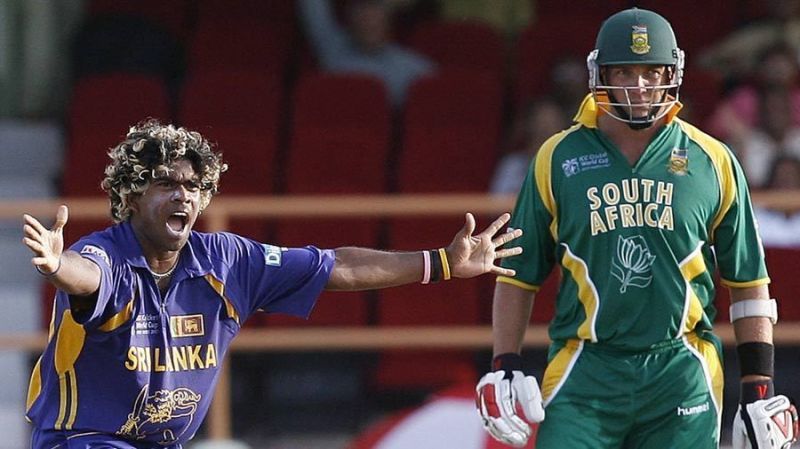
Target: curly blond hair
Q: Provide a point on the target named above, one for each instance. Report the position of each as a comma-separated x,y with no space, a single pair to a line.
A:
151,147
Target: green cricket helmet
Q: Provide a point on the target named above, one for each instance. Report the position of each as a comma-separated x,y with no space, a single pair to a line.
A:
636,36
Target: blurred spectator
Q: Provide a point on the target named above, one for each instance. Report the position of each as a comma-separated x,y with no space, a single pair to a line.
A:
364,46
540,120
508,17
740,110
774,135
779,228
569,83
737,55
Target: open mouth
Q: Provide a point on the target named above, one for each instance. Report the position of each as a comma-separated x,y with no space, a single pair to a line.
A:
178,222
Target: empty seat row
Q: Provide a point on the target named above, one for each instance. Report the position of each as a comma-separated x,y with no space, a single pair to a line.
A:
339,130
263,36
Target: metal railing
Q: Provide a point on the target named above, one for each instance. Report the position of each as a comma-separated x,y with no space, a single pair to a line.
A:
223,209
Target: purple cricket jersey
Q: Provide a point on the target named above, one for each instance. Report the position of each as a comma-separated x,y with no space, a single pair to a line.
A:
141,367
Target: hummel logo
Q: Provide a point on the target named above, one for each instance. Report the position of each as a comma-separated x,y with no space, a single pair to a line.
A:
704,407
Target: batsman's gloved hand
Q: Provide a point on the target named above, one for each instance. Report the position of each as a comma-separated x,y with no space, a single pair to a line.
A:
768,423
497,395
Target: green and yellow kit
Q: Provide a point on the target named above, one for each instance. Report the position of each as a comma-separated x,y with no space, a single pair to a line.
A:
637,246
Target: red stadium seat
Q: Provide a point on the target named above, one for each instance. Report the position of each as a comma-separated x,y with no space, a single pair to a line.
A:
101,111
239,110
444,304
449,145
695,31
461,45
232,97
340,136
340,141
273,11
240,43
251,157
701,90
782,266
451,135
595,11
541,45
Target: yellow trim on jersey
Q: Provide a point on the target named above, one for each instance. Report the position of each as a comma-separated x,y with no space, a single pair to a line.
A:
219,287
543,176
712,366
34,385
559,368
51,330
587,293
723,166
755,283
69,343
62,402
73,400
691,267
544,183
68,392
118,319
518,283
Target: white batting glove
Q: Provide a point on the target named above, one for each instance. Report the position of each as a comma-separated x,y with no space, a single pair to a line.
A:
496,399
766,424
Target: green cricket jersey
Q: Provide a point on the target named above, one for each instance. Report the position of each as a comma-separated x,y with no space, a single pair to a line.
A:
637,245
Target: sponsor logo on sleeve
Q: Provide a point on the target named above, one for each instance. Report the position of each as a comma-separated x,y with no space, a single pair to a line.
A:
273,255
99,252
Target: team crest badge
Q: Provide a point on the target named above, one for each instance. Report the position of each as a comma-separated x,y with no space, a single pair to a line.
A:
639,40
187,325
679,161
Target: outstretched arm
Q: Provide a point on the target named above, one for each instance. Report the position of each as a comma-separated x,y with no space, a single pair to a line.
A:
66,270
467,256
327,37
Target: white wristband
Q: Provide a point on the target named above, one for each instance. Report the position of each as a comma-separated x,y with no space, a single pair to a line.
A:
426,267
754,308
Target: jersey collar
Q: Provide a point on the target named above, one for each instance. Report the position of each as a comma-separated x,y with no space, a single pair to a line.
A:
589,111
194,259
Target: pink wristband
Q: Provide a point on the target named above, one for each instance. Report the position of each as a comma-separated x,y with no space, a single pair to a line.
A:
426,270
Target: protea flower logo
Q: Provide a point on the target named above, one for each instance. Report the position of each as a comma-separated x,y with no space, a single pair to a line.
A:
632,262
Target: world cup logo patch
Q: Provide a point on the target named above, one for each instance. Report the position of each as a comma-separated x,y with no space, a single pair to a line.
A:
639,40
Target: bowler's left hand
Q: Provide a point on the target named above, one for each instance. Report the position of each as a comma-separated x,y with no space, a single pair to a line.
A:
472,255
